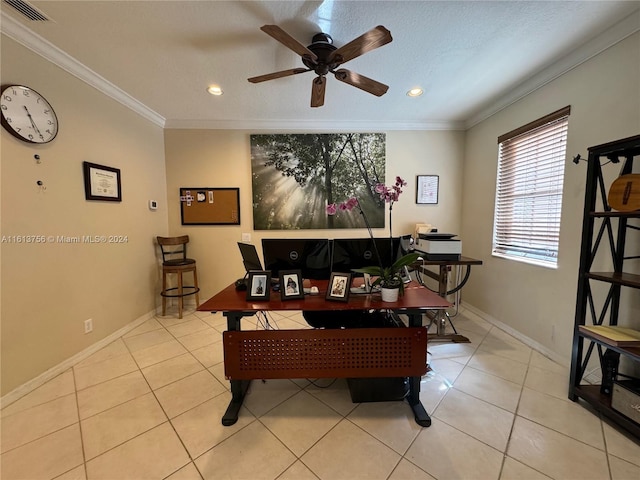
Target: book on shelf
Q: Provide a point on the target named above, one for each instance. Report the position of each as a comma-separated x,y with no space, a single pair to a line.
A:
613,335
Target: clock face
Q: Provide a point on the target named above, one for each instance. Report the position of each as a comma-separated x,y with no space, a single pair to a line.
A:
27,115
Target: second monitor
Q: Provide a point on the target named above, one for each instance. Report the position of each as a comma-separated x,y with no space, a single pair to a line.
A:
310,255
350,253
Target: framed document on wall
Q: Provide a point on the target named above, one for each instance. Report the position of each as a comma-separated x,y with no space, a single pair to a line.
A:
101,183
427,189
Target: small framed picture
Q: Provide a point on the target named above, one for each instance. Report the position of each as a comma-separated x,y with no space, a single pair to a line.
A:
291,284
101,182
405,275
258,285
427,189
339,285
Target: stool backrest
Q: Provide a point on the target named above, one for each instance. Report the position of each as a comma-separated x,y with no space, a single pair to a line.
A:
173,248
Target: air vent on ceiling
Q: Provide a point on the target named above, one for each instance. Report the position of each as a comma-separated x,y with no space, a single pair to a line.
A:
29,11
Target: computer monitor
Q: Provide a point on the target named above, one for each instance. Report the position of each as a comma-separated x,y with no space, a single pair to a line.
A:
310,255
250,257
350,253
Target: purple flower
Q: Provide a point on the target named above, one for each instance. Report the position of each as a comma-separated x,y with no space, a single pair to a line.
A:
342,206
352,203
390,194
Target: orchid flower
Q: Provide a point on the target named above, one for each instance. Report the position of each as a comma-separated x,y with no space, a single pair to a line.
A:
390,194
347,205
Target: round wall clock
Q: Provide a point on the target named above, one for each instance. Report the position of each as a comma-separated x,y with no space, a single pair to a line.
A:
27,115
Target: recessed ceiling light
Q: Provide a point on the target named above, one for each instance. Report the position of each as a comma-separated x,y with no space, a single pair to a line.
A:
214,90
415,92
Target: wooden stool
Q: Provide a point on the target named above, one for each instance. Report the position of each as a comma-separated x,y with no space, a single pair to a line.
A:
174,260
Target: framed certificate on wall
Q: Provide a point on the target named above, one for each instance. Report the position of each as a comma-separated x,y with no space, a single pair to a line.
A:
101,182
427,189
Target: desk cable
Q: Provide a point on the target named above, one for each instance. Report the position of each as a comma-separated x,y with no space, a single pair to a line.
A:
265,322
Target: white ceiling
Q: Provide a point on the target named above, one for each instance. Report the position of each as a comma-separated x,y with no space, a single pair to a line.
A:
471,57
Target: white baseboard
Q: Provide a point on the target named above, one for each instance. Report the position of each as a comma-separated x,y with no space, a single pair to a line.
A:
53,372
516,334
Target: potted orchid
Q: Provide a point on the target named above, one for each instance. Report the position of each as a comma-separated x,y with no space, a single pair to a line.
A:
389,278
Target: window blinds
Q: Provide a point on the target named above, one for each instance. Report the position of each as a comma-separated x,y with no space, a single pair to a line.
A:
529,190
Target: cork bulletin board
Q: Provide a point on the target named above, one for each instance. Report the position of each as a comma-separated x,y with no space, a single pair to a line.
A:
210,206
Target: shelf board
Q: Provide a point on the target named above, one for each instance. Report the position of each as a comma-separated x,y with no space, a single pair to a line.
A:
633,352
634,214
591,394
617,278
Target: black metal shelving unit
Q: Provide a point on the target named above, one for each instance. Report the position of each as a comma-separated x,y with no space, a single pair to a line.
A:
603,231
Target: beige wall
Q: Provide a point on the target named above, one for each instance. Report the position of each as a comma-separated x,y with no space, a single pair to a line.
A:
48,290
207,158
538,302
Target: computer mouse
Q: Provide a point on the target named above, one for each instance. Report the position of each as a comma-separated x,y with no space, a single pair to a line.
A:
241,284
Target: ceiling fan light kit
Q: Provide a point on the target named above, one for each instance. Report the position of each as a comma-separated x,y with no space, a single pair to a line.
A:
322,57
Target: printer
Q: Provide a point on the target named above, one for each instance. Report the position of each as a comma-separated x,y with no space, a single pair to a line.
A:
438,246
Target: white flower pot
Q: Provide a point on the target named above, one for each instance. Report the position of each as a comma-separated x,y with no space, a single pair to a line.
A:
389,294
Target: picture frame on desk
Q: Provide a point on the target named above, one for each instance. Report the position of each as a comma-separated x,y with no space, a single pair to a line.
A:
291,285
258,285
338,287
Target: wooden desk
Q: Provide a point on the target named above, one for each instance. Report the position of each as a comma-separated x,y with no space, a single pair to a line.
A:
414,303
441,316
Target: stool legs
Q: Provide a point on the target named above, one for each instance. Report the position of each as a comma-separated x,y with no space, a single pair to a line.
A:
164,289
195,283
180,297
179,289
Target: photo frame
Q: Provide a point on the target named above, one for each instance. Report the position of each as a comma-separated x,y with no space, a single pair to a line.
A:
339,287
427,189
258,285
291,284
101,182
405,275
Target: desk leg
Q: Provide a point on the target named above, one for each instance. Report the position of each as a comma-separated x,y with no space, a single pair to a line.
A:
420,414
238,387
238,390
442,316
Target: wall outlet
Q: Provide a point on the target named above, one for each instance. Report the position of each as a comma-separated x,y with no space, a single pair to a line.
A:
88,325
246,237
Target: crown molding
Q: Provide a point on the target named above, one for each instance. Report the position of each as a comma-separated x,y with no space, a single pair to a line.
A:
34,42
585,52
312,125
21,34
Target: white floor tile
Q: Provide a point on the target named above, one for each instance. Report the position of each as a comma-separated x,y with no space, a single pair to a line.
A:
349,452
149,405
555,454
445,452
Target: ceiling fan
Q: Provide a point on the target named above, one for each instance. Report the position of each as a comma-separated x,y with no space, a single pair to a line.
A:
323,57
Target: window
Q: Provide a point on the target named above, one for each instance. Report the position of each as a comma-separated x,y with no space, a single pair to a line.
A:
529,190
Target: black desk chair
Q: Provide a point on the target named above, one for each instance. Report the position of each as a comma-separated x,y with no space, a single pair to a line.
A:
175,261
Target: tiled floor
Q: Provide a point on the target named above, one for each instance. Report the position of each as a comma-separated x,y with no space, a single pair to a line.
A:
149,406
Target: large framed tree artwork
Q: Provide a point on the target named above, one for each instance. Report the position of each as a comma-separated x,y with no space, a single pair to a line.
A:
295,177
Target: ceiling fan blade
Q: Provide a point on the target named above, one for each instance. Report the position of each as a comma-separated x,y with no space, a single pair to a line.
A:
371,40
283,73
317,91
360,81
288,41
